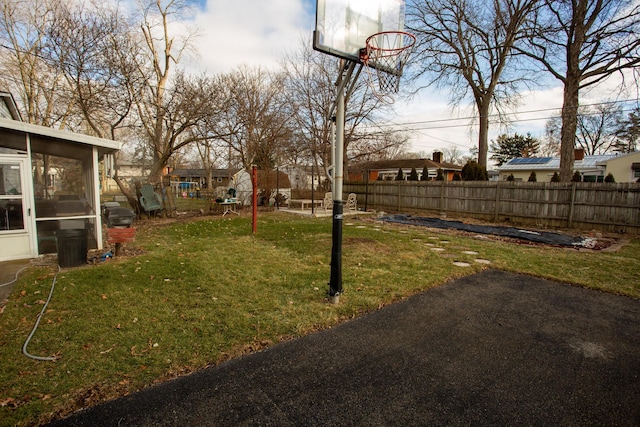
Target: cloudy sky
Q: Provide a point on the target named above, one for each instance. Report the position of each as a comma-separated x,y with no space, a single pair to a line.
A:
253,32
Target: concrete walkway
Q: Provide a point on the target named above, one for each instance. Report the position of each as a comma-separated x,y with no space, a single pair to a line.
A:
490,349
320,212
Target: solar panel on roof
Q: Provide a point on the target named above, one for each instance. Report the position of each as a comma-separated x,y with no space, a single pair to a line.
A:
530,160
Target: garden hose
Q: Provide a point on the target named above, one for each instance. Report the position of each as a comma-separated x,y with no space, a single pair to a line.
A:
15,278
38,318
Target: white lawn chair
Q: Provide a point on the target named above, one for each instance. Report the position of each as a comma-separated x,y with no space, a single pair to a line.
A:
327,203
352,202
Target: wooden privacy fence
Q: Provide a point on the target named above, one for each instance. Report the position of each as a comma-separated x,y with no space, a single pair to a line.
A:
599,206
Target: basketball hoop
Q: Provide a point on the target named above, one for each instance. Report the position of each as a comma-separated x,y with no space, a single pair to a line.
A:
385,55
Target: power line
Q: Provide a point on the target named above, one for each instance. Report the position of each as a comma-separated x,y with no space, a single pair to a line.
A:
494,116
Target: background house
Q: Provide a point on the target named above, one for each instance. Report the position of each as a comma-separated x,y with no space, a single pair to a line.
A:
196,179
591,168
130,172
623,167
302,177
8,109
388,169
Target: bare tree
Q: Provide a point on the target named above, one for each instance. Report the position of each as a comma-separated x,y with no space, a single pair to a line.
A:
256,123
581,43
167,112
465,45
94,50
386,144
551,144
311,79
454,155
210,152
597,127
27,72
628,132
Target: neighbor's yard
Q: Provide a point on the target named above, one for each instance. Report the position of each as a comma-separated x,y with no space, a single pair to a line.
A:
207,290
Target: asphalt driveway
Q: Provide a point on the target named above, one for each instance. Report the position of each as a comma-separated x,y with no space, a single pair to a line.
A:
494,348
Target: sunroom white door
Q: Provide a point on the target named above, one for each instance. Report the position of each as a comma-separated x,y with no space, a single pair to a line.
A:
16,241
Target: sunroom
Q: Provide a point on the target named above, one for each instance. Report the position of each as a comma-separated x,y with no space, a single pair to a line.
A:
49,184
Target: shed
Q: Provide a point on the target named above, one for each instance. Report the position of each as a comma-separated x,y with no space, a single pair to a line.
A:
269,182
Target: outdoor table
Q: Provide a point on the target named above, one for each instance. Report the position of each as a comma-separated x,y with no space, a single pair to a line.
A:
229,206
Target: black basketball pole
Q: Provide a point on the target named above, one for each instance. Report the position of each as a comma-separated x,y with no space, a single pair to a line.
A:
335,281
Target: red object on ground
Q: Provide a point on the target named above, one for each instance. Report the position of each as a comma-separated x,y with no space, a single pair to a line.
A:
120,236
254,182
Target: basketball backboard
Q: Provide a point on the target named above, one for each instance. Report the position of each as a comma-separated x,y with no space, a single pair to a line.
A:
343,26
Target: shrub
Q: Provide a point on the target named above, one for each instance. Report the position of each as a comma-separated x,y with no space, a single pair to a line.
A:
440,176
555,177
425,174
576,177
533,177
609,178
511,178
472,171
400,176
413,175
457,177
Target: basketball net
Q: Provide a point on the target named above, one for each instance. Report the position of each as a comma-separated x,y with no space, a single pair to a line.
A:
385,55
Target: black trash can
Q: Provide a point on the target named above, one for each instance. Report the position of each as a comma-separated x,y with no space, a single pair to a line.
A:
72,247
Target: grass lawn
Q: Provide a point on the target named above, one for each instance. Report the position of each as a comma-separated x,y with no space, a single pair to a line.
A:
208,290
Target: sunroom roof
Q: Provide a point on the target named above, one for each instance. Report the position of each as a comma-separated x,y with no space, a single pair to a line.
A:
43,133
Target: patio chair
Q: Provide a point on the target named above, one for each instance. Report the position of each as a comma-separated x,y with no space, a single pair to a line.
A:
352,202
150,201
328,201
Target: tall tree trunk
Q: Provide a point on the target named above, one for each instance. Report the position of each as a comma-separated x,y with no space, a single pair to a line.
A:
483,133
568,132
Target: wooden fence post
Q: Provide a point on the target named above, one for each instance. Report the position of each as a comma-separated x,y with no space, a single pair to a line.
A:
573,200
373,195
366,192
442,199
496,214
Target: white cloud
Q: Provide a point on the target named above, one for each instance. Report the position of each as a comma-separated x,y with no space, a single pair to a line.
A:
250,32
259,33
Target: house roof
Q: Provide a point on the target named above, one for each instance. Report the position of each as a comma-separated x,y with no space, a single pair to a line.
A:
198,173
10,103
396,164
552,163
618,156
105,146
